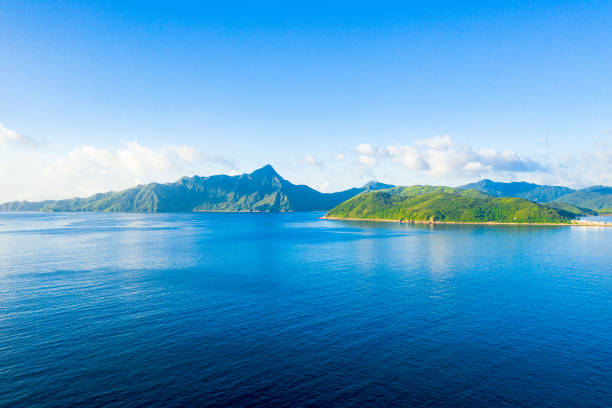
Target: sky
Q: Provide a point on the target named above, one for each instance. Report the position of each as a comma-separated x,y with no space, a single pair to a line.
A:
99,96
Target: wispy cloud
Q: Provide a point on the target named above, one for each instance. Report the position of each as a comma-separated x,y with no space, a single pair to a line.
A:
582,169
324,187
313,161
10,136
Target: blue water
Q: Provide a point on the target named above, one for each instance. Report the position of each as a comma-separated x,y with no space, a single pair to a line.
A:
135,310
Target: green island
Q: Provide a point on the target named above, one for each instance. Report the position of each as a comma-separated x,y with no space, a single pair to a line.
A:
429,204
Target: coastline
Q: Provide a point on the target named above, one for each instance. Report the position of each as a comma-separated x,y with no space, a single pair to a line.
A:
570,224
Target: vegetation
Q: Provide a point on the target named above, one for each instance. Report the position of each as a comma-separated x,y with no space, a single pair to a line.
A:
262,190
445,207
593,198
569,210
413,191
528,191
596,198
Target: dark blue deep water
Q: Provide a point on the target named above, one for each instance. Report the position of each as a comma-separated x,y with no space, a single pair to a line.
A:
152,310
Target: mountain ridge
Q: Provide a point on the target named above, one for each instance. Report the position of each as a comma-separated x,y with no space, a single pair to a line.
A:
262,190
592,198
266,190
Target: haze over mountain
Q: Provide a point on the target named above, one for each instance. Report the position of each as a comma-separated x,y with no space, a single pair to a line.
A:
262,190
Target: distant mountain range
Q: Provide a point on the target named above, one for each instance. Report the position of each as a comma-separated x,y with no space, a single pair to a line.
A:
262,190
594,198
265,190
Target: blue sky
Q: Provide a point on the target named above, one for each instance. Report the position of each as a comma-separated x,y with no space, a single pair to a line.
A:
104,95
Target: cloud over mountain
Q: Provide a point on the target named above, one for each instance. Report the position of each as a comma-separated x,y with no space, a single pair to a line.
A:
133,158
441,156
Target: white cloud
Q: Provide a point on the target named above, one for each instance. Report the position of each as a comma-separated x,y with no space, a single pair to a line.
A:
581,170
440,156
509,161
367,160
436,142
9,136
477,167
409,156
339,156
134,160
37,175
365,149
311,160
88,169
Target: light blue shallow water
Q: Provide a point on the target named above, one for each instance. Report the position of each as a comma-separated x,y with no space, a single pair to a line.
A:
289,310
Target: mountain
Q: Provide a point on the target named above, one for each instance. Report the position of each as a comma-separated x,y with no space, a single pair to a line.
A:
568,210
529,191
262,190
342,196
596,198
265,190
593,198
452,205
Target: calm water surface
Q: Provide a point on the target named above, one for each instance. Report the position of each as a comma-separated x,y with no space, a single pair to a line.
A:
135,310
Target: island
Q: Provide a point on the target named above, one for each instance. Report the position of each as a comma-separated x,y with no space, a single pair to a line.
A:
439,204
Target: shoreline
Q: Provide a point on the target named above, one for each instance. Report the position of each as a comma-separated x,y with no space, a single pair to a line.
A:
570,224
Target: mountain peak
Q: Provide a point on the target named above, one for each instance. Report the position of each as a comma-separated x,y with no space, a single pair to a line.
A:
376,185
489,182
370,183
266,171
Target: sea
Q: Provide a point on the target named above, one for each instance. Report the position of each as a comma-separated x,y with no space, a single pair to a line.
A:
291,310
